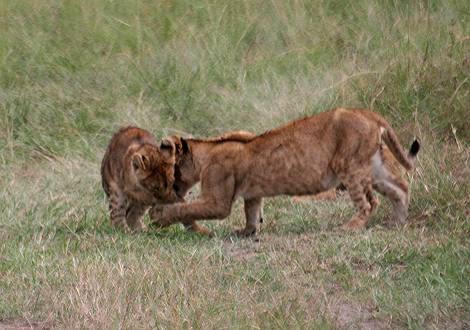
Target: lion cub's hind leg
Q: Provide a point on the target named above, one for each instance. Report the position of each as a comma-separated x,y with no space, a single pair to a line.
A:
358,184
117,209
371,198
397,197
396,190
134,217
387,181
253,215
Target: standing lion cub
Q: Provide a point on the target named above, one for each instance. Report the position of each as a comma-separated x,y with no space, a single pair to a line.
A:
304,157
136,173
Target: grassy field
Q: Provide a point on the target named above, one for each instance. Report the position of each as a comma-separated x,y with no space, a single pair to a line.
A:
72,72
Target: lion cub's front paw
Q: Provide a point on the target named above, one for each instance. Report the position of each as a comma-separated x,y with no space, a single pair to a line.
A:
140,228
121,226
197,228
354,224
158,224
156,215
245,232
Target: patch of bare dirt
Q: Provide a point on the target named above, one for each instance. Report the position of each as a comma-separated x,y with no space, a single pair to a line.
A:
343,313
242,250
347,315
21,324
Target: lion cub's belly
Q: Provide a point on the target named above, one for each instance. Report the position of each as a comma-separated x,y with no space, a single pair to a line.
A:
293,183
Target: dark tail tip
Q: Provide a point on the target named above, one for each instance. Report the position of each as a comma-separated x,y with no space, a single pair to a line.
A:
414,148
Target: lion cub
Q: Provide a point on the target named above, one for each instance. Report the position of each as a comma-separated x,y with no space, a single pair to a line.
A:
304,157
136,173
186,177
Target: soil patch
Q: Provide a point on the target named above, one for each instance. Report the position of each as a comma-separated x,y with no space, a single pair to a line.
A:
22,324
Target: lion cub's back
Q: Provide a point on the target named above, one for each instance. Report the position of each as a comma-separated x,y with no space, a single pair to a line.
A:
113,165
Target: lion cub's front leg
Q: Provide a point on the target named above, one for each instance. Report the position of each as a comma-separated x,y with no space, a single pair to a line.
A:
156,214
134,216
215,201
253,214
187,213
117,209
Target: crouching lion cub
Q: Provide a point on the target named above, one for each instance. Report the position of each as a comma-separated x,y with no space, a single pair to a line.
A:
304,157
186,176
136,173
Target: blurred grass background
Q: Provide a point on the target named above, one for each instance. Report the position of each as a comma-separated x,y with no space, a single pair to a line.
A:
72,72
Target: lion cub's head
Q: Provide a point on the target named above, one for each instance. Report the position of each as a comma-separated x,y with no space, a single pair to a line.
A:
185,172
154,169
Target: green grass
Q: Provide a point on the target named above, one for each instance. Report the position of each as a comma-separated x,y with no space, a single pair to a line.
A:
72,72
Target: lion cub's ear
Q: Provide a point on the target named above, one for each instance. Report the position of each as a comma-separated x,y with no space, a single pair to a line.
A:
181,146
167,147
184,145
140,161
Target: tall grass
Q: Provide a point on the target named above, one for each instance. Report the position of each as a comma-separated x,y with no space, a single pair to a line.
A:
72,72
70,68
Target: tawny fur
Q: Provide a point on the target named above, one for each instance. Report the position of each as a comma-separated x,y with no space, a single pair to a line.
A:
136,173
331,194
304,157
391,165
186,178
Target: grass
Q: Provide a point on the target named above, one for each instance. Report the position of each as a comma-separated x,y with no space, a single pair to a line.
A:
72,72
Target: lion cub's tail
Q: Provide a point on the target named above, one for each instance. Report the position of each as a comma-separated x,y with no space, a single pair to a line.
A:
391,140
